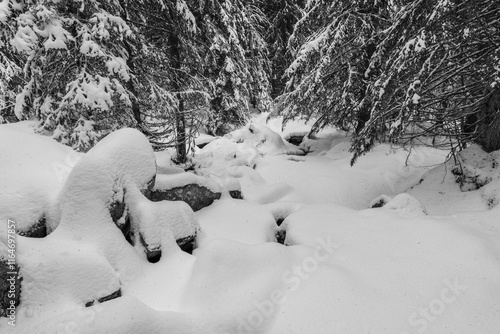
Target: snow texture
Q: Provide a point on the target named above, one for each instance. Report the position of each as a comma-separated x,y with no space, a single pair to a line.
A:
427,261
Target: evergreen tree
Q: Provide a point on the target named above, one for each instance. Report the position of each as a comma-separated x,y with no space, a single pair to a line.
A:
236,63
398,71
332,46
163,66
167,59
75,68
438,76
282,16
10,63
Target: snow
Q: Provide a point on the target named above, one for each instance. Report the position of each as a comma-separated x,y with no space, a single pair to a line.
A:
33,169
243,222
264,139
161,223
4,10
384,268
427,261
169,181
442,194
406,205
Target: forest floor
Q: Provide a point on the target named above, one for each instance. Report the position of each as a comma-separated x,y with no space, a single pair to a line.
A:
427,261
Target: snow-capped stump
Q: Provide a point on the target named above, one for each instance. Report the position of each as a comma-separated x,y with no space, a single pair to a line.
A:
406,205
160,225
199,192
380,201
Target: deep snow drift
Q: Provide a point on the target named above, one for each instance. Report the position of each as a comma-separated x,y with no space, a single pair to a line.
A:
428,260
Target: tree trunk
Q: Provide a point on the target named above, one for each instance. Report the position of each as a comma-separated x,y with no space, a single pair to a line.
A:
180,119
488,127
180,127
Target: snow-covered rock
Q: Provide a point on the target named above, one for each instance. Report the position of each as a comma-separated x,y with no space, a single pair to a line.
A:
471,182
195,190
124,159
158,225
263,139
380,201
406,205
33,169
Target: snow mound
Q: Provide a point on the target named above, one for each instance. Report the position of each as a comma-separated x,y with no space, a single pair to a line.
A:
379,201
242,221
406,205
469,183
87,257
33,169
203,139
476,168
182,179
223,152
160,224
264,139
124,159
63,272
269,193
364,257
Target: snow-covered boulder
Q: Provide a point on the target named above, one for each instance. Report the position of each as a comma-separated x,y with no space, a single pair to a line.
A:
159,225
197,191
79,261
224,152
295,138
33,169
470,182
406,205
380,201
476,169
124,159
265,140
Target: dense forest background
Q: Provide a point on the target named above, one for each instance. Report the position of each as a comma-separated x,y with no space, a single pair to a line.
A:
399,71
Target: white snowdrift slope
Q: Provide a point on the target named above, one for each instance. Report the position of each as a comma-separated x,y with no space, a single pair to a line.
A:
391,274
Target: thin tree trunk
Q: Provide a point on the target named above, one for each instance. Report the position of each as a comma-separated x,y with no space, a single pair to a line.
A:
488,128
180,119
180,125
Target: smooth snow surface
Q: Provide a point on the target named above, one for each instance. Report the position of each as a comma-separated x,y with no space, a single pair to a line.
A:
33,168
428,261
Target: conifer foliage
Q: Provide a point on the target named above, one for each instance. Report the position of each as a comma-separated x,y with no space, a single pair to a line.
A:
406,72
84,68
399,71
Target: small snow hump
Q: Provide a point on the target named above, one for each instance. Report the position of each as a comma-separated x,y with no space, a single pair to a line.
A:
380,201
406,205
